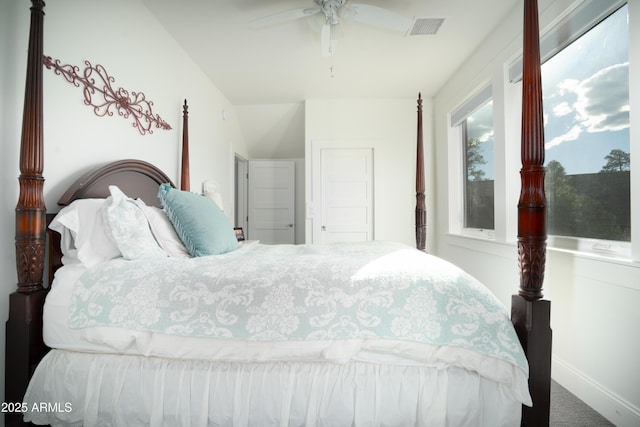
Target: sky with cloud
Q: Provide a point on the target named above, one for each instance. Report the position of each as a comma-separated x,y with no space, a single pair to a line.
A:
586,101
586,98
480,128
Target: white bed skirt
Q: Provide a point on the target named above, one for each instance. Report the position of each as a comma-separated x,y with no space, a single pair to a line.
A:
73,388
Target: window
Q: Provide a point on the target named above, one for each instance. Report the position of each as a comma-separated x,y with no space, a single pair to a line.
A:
477,137
472,125
586,108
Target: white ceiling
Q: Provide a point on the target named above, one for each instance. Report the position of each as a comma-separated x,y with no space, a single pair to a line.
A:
283,63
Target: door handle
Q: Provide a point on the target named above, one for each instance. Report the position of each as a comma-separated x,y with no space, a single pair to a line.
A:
290,226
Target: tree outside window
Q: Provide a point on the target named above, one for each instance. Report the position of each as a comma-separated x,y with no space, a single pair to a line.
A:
586,106
477,130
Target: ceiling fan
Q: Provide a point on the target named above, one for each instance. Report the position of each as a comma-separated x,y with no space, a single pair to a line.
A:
333,12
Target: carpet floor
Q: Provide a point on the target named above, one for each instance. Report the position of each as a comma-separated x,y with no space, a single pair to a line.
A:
567,410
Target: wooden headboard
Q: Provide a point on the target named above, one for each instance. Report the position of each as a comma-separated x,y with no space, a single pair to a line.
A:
137,178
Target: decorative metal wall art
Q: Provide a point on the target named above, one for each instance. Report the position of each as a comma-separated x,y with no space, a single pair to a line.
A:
98,92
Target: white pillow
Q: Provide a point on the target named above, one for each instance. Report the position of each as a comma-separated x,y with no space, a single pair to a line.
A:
163,231
84,234
129,227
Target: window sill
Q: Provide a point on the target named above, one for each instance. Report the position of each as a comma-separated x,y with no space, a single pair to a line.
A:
484,244
508,249
604,256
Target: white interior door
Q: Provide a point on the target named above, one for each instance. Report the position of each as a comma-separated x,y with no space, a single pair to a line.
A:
272,201
346,195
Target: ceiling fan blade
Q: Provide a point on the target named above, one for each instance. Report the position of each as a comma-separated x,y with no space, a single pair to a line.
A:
325,40
379,17
287,15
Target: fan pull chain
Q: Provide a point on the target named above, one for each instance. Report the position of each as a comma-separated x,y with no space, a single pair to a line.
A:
331,64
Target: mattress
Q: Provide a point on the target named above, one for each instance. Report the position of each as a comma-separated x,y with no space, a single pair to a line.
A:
111,340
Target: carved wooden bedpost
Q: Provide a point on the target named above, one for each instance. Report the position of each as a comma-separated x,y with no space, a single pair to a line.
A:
30,210
421,210
24,326
531,314
184,169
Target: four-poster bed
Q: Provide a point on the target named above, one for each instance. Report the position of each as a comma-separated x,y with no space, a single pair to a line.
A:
38,251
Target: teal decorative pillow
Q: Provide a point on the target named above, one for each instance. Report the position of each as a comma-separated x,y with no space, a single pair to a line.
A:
200,224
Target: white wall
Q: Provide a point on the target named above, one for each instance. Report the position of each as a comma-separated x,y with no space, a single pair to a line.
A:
122,36
389,126
595,301
125,38
276,132
273,131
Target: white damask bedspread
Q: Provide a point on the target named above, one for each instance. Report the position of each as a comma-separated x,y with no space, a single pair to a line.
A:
372,290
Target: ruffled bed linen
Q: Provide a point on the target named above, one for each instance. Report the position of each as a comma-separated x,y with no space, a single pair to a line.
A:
128,390
150,354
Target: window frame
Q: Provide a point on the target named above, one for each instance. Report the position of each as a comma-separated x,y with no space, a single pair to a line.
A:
571,26
507,98
568,28
464,131
478,99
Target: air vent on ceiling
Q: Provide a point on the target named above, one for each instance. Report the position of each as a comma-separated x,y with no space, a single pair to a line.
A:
425,26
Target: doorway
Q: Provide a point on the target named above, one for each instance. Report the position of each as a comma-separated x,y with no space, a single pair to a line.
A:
344,187
241,174
271,201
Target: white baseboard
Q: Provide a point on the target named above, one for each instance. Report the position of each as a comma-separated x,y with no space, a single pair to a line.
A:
611,406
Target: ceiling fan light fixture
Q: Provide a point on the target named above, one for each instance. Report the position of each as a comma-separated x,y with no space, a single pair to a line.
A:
331,9
328,14
425,26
